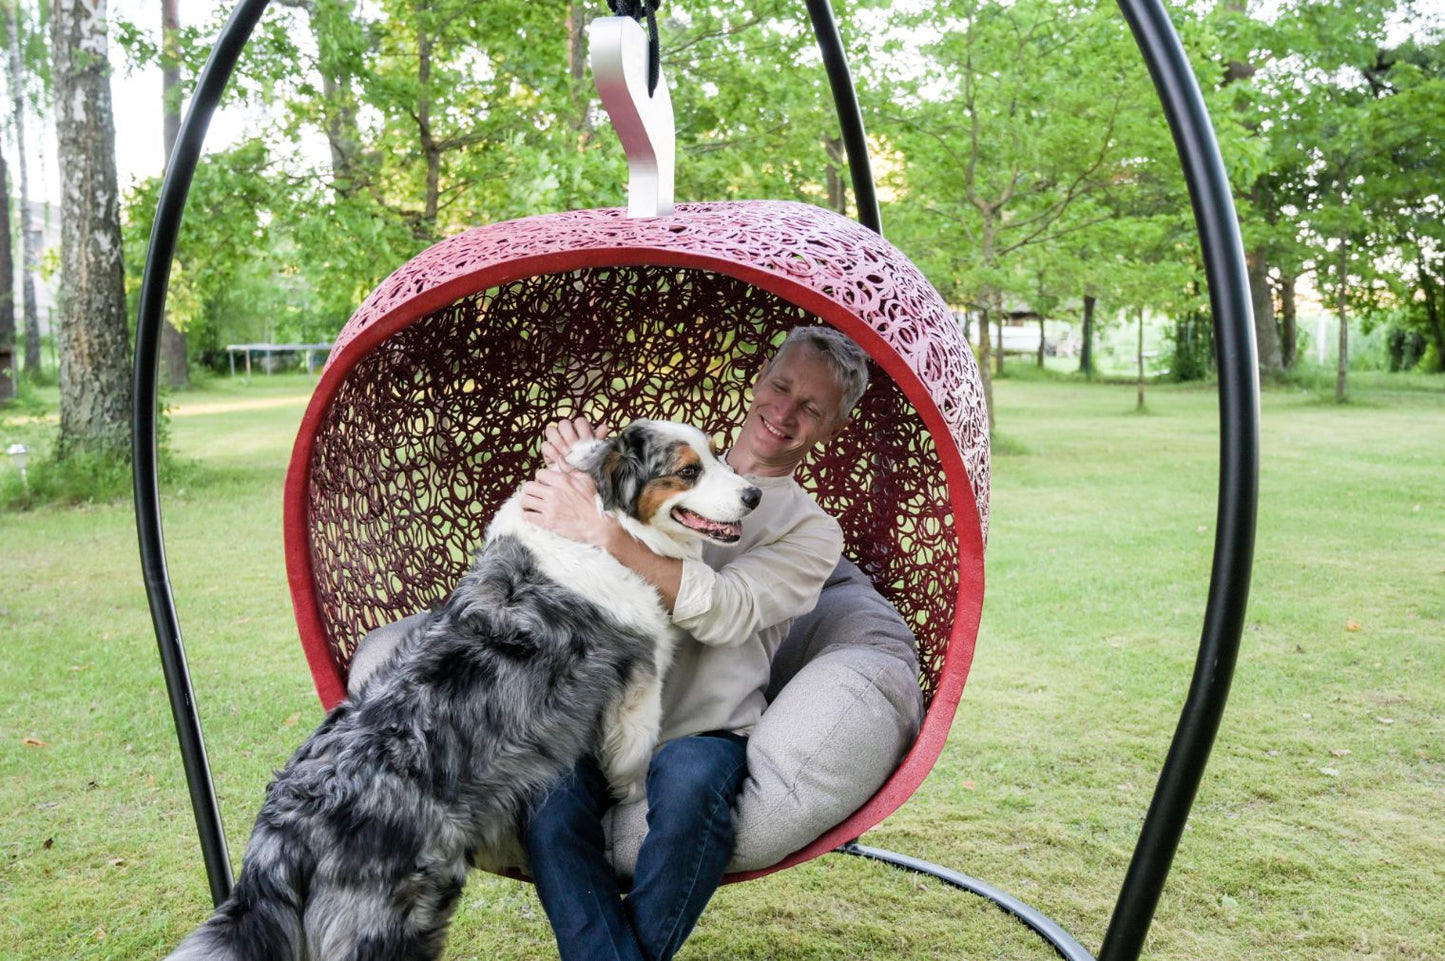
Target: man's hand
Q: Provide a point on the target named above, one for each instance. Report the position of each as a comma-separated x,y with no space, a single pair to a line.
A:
562,436
564,501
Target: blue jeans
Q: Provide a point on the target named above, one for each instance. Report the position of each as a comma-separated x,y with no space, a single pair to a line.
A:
691,785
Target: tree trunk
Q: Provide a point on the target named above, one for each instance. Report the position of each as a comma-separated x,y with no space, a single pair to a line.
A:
7,291
578,17
7,287
833,170
430,150
1289,321
336,94
338,106
1139,356
1041,342
173,339
1436,324
985,370
91,330
28,253
1342,294
1086,349
1266,331
998,332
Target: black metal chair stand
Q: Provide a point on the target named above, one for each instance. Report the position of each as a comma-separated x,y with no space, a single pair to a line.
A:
1238,483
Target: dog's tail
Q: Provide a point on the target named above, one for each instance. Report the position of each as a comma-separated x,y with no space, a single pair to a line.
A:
260,921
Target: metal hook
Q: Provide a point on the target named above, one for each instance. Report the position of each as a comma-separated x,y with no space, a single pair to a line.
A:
618,51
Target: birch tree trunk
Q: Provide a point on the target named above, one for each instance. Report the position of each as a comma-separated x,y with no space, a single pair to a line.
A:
1139,357
173,340
28,254
1343,294
8,366
91,328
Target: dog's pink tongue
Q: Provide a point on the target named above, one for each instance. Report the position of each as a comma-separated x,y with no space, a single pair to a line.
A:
723,531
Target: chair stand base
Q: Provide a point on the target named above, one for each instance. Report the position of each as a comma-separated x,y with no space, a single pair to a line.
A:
1047,929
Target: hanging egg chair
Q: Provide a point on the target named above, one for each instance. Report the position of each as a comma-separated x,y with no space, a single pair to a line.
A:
434,397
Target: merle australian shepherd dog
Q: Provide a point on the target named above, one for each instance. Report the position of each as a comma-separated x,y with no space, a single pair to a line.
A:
547,650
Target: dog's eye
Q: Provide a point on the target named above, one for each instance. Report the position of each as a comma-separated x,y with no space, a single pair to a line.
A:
690,472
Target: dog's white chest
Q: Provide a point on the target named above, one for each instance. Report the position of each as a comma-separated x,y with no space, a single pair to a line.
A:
589,571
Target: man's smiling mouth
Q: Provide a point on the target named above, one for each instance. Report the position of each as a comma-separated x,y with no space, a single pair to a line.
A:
773,430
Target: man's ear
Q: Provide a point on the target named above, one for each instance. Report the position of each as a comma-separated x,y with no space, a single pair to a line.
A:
841,426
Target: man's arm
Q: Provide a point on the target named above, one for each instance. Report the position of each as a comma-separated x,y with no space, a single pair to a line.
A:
772,582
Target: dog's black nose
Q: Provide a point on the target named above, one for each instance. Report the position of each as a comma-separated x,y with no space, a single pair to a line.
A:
751,496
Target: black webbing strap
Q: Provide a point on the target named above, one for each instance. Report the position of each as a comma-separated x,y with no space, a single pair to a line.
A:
638,10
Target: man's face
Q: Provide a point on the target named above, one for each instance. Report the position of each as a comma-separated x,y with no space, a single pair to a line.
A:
795,406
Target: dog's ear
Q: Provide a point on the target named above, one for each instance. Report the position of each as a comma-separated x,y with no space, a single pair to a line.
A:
619,470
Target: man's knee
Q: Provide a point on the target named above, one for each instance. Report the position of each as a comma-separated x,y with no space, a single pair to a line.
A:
694,769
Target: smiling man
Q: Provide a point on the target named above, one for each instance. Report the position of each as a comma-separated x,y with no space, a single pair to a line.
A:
736,605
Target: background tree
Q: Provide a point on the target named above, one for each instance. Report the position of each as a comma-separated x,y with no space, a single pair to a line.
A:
1245,46
999,159
18,38
8,363
174,361
91,330
1019,146
442,114
1407,124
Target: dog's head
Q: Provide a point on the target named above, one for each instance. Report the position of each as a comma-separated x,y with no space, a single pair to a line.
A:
662,481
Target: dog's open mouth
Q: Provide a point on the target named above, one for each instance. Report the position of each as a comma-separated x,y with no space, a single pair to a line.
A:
726,532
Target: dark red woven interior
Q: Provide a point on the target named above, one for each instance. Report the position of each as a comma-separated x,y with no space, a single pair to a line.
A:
439,423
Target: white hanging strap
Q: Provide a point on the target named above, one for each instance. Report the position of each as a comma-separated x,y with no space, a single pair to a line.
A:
617,48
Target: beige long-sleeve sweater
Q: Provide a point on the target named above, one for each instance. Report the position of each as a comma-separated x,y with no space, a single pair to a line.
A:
737,604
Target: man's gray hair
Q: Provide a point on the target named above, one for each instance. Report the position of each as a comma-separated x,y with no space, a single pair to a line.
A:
847,359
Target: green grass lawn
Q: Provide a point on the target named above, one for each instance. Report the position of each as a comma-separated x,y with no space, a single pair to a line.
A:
1316,833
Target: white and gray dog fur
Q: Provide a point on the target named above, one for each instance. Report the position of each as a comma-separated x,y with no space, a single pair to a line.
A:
548,649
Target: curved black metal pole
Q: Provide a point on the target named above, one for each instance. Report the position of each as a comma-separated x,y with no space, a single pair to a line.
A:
169,209
1046,928
850,116
1239,417
1238,478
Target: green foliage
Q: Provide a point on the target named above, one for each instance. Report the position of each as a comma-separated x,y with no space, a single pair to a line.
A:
1341,123
1407,348
81,478
1020,151
1191,347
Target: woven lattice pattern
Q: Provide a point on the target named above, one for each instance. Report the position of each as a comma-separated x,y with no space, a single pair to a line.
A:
841,260
440,422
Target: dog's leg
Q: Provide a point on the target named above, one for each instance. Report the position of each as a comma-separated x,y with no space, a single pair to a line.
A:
629,735
364,922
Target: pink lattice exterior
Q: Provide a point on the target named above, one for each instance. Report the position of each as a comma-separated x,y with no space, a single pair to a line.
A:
431,408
